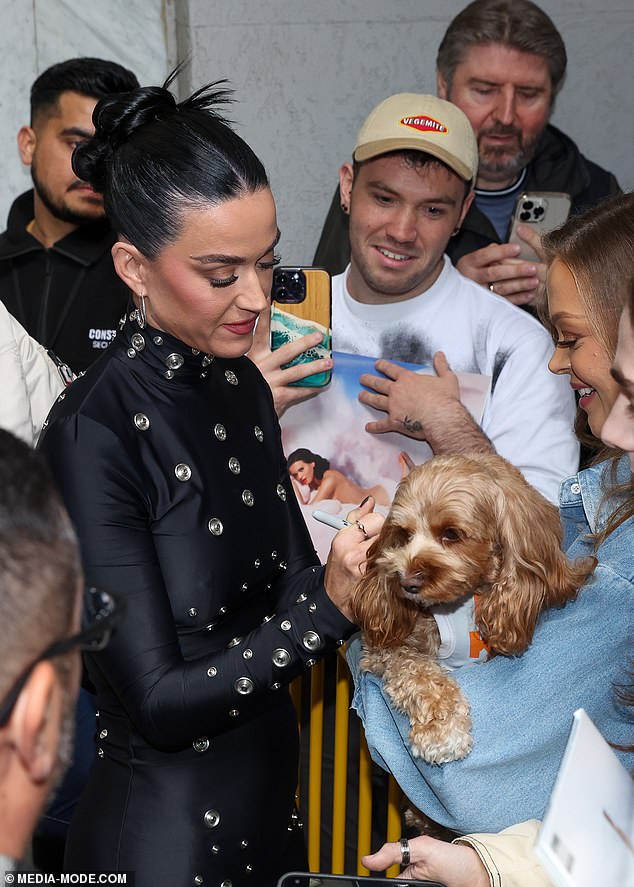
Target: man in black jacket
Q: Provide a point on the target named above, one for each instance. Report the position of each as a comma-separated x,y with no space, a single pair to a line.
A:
502,62
56,271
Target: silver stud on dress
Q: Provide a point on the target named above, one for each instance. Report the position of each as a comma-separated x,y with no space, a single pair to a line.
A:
138,342
247,498
169,374
234,465
285,625
248,654
234,713
211,818
207,359
311,641
234,642
212,672
158,340
131,353
200,745
141,421
183,472
281,492
231,377
215,526
281,657
192,612
174,361
258,433
220,431
103,734
275,686
243,686
198,880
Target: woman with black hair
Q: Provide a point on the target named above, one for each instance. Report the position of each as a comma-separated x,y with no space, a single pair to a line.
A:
310,470
169,459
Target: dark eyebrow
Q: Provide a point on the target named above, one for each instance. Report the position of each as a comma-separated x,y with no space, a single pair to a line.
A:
381,186
222,259
535,86
560,315
76,131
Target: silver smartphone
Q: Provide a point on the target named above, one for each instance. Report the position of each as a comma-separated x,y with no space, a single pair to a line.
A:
543,211
306,879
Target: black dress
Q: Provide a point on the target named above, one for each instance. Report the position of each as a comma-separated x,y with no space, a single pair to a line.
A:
171,466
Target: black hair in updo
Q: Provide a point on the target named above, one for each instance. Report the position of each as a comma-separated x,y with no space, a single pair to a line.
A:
153,158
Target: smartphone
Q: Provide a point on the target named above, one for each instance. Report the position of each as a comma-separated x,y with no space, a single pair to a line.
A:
543,211
301,304
304,879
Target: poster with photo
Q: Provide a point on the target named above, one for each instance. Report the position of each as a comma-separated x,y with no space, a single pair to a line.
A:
352,463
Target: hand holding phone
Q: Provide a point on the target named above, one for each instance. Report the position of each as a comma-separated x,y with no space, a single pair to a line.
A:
302,304
541,211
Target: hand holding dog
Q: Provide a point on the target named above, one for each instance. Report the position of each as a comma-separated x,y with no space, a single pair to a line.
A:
348,552
423,407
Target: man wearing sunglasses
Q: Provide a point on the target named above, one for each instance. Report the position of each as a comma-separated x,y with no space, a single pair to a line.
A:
40,608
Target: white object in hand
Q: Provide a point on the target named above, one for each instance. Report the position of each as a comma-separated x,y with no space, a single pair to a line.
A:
337,523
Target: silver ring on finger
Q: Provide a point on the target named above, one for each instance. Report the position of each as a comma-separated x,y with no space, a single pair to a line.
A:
405,854
492,287
358,524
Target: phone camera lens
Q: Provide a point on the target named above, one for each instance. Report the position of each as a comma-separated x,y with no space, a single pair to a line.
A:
281,294
525,217
539,212
528,204
282,278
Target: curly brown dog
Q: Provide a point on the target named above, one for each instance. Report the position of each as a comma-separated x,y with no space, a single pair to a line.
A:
458,526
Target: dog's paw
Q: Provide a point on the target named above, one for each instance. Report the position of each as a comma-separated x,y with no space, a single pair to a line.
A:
445,733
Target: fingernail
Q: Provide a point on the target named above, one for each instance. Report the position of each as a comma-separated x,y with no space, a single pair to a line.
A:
361,504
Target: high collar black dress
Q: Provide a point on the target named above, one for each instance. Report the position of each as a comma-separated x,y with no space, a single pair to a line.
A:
171,466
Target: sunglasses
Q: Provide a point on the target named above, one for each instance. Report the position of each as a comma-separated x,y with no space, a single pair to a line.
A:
101,613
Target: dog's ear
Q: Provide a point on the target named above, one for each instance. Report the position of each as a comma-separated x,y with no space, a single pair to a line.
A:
378,607
534,573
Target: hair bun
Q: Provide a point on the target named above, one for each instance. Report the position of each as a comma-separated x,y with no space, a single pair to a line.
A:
116,119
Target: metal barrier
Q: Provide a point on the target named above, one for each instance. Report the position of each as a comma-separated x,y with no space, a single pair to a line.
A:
311,695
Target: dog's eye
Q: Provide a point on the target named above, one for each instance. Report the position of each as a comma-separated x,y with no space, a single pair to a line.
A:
400,536
449,536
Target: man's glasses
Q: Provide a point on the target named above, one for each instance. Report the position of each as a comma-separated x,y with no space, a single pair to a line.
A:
101,613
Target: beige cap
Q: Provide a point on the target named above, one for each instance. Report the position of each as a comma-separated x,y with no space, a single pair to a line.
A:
420,123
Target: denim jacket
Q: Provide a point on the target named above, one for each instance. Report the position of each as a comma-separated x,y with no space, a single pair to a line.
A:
522,706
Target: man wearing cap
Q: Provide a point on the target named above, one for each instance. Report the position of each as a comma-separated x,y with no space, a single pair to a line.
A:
502,62
407,192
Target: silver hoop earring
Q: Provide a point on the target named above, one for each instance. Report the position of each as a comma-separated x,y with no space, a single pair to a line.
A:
141,316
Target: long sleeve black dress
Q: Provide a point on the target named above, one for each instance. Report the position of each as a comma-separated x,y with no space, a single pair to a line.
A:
170,464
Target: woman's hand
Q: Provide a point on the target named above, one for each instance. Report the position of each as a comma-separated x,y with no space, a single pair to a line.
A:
273,364
346,561
455,865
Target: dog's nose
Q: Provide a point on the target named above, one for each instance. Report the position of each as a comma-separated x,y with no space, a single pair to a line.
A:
413,582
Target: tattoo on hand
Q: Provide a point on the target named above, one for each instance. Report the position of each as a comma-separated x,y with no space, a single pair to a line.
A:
412,425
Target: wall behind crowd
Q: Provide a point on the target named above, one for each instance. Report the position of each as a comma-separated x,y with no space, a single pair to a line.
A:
306,75
39,33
